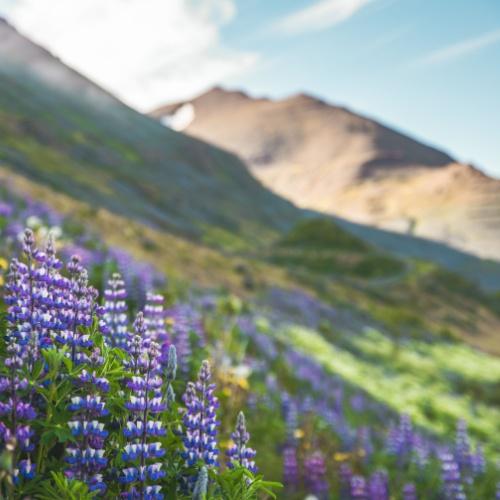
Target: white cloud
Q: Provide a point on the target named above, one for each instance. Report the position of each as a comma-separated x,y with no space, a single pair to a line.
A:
320,16
458,50
145,51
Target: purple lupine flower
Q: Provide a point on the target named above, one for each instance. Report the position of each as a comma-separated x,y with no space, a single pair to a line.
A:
29,320
409,492
463,452
290,467
116,312
154,318
358,488
451,478
345,476
138,276
85,456
378,486
400,440
497,494
365,441
315,474
16,411
422,451
186,323
358,402
290,415
181,333
200,420
6,209
478,462
144,426
79,314
240,452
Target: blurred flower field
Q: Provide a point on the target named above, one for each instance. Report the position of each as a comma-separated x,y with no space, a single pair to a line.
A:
115,385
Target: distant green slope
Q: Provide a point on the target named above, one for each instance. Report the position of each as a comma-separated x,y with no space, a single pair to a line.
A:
69,134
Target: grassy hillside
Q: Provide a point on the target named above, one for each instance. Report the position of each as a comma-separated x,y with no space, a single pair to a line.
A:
67,133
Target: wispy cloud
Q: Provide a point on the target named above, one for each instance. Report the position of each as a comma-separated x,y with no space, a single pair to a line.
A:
458,50
146,54
320,16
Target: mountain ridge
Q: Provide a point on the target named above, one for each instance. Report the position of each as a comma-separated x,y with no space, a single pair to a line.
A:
329,158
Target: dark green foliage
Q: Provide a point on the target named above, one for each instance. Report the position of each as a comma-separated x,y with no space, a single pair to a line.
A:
321,234
322,247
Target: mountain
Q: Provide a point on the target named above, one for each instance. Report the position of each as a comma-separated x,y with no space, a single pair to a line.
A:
195,212
330,159
62,130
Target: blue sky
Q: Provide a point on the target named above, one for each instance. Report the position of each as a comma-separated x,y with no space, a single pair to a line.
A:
428,67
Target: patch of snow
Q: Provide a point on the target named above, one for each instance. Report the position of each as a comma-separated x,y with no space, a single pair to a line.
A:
180,119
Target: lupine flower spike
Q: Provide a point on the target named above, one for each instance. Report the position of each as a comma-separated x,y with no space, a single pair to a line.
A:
154,318
315,474
86,455
290,467
200,420
240,453
143,451
116,312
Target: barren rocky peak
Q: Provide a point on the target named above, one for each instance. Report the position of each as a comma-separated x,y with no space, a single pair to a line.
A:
329,158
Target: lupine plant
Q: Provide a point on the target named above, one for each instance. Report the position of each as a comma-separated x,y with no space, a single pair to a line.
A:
143,451
200,420
239,453
87,407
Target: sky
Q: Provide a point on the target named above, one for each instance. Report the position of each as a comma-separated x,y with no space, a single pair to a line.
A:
430,68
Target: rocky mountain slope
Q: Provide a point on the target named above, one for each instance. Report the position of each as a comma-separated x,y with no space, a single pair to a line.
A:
330,159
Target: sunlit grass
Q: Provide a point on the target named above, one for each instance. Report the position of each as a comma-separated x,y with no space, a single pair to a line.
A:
411,379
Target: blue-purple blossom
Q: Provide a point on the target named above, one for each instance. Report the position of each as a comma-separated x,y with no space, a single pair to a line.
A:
409,492
290,415
315,474
185,323
116,312
463,453
401,439
359,489
16,411
85,456
345,476
290,467
79,313
143,452
239,452
154,319
451,478
200,420
378,486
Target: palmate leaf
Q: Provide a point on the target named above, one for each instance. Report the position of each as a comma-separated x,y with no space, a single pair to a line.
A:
241,484
56,433
60,487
